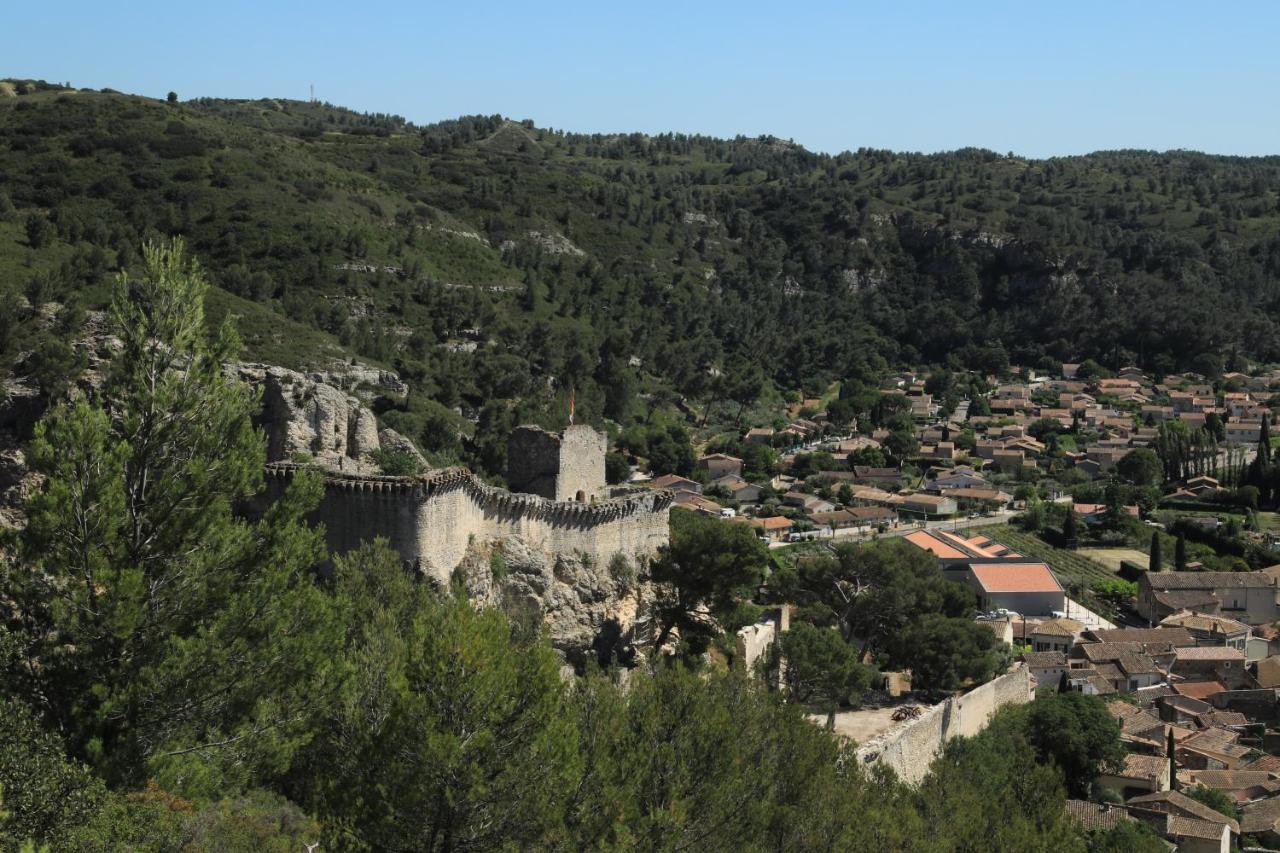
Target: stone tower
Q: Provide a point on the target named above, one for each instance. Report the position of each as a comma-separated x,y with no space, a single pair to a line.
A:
565,467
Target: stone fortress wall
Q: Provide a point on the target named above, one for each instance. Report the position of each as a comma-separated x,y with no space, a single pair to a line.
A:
910,747
558,503
432,519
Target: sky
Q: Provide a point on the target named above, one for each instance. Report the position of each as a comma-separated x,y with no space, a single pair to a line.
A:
1035,78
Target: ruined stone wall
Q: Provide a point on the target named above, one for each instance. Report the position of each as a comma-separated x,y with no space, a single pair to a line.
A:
533,461
431,520
910,747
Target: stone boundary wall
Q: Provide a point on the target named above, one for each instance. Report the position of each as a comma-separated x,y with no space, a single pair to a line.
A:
910,747
433,518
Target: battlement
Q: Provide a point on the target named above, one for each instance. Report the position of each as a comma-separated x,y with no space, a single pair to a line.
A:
431,518
423,486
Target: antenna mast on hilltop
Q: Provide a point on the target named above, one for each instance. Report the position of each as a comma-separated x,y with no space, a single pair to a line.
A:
313,93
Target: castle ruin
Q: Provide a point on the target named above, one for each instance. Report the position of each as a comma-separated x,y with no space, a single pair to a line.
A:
558,504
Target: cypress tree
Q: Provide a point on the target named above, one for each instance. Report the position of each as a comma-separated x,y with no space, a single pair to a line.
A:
1173,764
1156,563
1064,685
1180,553
1069,531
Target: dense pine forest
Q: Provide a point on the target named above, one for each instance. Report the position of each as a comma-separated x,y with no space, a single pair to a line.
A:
497,264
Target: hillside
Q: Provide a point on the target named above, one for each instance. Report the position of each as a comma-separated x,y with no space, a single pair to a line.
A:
496,264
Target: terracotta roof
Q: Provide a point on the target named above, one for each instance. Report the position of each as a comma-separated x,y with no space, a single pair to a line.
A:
923,540
1209,580
1208,653
1174,636
1184,599
1061,627
1137,664
1045,660
1015,577
1190,827
1149,767
1259,817
1204,622
1176,801
1093,816
1232,780
1200,689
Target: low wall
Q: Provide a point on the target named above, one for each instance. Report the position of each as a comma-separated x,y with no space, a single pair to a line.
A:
910,747
432,519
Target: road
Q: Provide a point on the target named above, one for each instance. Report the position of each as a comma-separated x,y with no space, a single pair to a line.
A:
903,528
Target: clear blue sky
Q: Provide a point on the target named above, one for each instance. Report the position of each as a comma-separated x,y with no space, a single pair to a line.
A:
1037,78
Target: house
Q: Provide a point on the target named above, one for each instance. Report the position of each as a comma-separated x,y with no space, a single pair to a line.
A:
873,516
1249,597
1203,486
719,465
699,504
759,435
1139,774
1210,630
1209,663
840,519
1241,785
1094,514
1009,461
738,489
928,506
806,502
1262,820
1187,823
1267,673
1243,432
985,499
1056,635
877,475
1021,587
677,484
1001,626
956,480
1046,667
1096,817
774,528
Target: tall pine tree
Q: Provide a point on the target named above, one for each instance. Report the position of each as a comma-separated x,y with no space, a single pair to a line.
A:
166,637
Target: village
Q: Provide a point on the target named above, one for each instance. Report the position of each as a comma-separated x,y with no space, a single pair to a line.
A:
1114,531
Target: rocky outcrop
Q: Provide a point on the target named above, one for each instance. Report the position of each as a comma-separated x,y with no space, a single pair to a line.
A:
589,610
308,419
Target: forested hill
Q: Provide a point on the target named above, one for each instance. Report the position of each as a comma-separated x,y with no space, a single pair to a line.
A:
483,256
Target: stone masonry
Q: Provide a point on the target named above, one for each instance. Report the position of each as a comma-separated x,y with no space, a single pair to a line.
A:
567,467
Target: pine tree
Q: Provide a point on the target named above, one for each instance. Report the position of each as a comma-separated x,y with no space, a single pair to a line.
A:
1156,563
160,623
1180,553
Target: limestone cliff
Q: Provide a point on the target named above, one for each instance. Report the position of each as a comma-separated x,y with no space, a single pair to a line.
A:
308,417
588,609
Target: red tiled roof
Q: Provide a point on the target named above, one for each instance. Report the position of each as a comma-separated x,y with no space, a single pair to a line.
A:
1015,577
1200,689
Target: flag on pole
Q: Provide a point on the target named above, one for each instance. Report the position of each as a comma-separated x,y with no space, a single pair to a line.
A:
571,402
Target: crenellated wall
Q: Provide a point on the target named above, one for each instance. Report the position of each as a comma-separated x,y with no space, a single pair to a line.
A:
432,519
